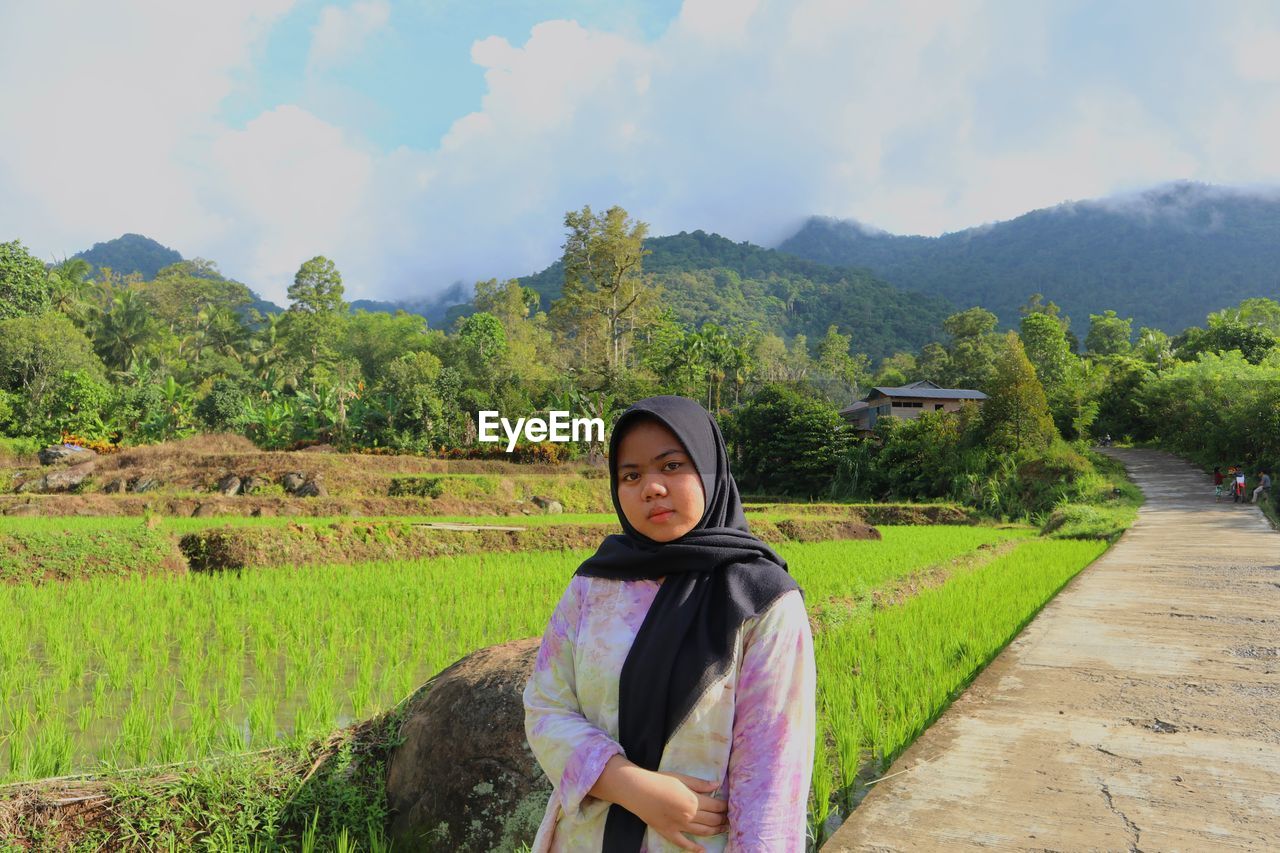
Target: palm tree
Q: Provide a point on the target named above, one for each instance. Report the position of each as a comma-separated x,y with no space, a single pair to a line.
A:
123,330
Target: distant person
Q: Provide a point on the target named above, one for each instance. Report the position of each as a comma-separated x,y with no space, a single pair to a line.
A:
1237,494
1264,485
1218,481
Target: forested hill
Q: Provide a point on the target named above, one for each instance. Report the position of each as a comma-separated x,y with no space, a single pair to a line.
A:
134,253
131,253
1165,257
709,278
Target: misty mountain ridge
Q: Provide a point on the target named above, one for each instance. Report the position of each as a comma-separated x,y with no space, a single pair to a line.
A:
1166,256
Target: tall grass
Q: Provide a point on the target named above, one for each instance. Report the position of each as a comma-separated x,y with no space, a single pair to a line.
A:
884,678
133,670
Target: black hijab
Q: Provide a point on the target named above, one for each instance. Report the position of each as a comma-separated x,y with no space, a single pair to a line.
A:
718,575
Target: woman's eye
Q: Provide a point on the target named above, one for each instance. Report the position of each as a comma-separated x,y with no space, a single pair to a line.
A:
630,476
671,466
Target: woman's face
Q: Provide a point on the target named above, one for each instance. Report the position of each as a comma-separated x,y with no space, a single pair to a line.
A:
659,488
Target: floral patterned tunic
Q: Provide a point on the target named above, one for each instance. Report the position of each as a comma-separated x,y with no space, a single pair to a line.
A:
753,731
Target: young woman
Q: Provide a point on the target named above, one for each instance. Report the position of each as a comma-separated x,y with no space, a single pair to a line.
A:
672,703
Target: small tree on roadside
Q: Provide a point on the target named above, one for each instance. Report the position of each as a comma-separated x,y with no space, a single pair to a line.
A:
1016,413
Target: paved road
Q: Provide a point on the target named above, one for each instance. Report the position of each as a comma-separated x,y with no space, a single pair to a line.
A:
1140,711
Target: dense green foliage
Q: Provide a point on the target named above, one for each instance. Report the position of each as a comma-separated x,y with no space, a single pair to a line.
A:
707,278
24,286
1164,258
763,339
131,253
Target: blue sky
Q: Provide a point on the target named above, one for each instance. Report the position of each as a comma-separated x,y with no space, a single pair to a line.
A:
423,142
414,76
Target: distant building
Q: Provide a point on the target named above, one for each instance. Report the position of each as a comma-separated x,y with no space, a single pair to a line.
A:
907,401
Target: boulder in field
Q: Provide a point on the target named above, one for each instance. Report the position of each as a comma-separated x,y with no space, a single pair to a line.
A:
60,480
550,506
143,484
293,481
113,486
63,452
228,485
253,483
204,510
312,488
463,777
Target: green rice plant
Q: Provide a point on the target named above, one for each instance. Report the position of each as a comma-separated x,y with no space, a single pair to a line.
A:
903,665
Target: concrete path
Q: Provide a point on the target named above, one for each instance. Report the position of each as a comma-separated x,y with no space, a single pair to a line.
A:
1140,711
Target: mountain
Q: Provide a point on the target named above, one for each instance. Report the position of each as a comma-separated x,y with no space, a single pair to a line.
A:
1165,257
131,253
706,277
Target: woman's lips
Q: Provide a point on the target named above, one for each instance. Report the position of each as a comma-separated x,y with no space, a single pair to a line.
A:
661,515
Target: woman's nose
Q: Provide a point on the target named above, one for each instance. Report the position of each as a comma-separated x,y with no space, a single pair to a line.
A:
654,487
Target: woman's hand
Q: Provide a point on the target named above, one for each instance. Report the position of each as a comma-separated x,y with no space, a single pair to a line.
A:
683,804
670,803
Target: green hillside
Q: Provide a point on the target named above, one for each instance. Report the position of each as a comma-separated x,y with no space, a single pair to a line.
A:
131,253
709,278
1165,257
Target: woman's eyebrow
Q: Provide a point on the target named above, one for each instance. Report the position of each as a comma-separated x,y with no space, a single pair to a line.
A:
661,455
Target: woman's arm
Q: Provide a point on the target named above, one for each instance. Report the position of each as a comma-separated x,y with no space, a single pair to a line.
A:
771,759
571,749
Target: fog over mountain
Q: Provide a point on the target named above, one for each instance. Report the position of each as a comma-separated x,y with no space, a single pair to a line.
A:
1166,256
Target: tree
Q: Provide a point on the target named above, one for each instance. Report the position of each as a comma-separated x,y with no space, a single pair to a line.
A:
973,348
786,443
896,370
124,330
36,353
1223,336
605,294
843,373
313,324
1016,413
1109,334
1259,311
1035,304
317,287
25,287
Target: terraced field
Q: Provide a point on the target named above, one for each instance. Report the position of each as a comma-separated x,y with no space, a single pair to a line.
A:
123,671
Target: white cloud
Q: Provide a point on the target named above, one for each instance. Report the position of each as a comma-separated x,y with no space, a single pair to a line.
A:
106,108
341,32
743,118
295,187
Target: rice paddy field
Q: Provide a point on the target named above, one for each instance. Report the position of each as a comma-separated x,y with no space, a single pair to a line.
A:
116,672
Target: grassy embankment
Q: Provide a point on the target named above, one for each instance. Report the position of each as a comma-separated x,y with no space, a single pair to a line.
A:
202,666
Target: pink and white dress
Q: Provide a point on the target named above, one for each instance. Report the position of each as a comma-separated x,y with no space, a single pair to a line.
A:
753,731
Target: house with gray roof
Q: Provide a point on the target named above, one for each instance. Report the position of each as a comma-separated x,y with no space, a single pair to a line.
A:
907,401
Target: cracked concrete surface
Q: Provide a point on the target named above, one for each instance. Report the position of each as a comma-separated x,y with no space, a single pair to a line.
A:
1140,711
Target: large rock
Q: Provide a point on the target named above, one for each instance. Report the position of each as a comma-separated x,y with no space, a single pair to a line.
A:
550,506
253,483
229,485
313,488
293,481
143,484
61,480
464,777
62,452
